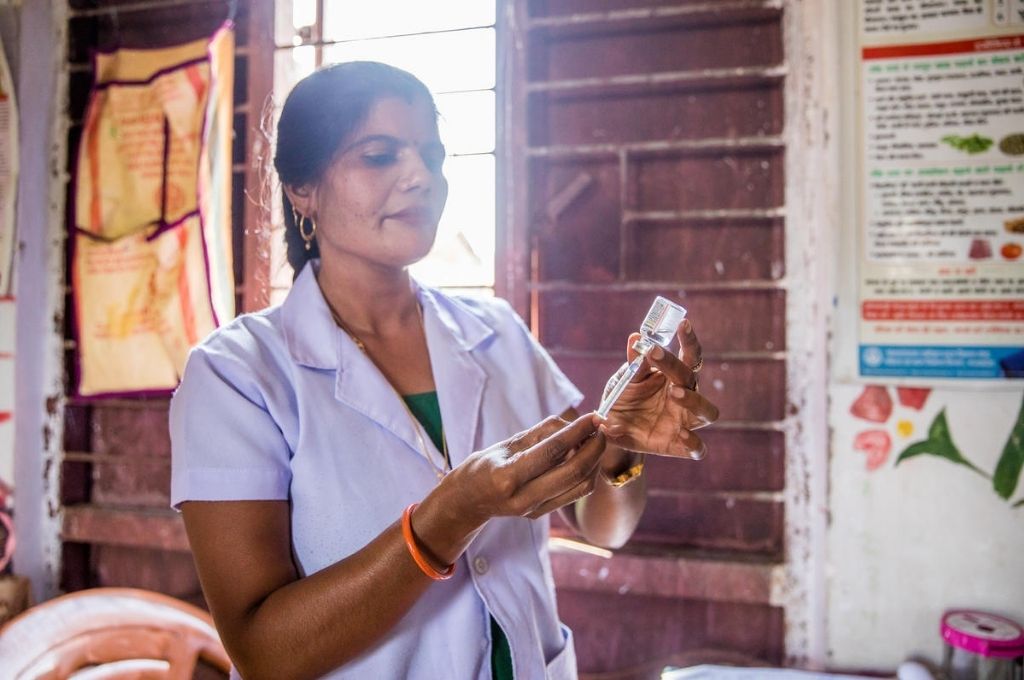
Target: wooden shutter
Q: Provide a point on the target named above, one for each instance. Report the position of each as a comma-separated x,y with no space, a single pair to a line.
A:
644,148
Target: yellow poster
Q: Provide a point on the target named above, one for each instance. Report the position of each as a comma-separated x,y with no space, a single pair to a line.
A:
152,270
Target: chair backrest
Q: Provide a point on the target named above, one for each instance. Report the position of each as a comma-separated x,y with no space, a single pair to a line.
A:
110,633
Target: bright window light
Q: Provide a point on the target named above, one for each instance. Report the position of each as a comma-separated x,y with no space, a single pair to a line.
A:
450,46
446,62
356,20
467,121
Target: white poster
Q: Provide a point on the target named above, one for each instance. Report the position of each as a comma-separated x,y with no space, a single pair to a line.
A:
941,272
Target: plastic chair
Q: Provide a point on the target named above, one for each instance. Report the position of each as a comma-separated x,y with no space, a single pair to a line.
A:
107,633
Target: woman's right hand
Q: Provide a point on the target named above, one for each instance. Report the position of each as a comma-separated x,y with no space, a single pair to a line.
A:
266,611
539,470
532,473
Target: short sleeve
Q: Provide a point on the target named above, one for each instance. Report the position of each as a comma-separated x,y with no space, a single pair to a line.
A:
225,446
556,392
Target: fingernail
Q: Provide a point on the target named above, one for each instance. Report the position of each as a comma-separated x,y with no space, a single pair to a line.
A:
657,352
687,326
677,391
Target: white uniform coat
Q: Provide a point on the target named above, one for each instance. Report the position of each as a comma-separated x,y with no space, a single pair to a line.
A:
281,405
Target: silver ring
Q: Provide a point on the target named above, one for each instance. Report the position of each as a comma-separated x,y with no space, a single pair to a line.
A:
699,365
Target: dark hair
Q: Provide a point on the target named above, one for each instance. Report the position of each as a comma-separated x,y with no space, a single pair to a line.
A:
321,112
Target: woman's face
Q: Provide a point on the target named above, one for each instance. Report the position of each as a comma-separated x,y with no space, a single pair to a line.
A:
382,196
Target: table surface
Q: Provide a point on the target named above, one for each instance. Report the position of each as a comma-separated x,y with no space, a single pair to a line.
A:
710,672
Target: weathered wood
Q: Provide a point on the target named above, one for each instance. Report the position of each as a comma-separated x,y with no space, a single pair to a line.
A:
624,631
722,579
256,223
727,321
668,80
676,112
558,12
709,146
742,390
136,528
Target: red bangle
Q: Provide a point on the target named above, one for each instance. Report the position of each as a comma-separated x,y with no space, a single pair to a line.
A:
414,551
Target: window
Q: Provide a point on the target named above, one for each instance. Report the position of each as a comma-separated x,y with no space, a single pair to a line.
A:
453,52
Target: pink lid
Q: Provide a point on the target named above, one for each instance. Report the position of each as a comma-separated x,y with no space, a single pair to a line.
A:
983,634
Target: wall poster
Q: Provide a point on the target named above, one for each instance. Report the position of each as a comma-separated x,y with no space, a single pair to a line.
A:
151,269
941,175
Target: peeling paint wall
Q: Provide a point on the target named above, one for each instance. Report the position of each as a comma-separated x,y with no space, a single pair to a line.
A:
39,381
810,171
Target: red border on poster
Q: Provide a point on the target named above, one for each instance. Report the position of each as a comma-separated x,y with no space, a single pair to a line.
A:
1010,42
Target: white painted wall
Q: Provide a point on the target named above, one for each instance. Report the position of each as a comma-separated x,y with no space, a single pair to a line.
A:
905,543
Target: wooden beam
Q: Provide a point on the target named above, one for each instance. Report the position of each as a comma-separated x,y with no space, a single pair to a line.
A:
152,528
713,579
256,240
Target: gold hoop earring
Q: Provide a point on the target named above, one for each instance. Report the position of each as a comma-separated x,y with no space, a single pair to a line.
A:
308,238
300,223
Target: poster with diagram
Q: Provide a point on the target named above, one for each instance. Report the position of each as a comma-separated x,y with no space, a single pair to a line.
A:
941,173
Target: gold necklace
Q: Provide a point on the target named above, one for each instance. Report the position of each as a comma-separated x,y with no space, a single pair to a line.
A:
416,425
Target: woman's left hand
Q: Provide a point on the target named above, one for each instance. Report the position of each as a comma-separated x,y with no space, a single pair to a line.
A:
659,411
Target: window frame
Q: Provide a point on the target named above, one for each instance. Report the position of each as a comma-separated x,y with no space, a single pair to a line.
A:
257,287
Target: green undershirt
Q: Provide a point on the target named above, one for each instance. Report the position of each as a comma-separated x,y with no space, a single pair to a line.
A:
427,410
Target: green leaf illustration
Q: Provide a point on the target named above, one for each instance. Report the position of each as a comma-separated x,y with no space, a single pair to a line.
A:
1007,473
973,144
939,443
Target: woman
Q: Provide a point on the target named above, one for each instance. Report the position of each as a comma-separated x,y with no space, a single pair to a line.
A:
356,496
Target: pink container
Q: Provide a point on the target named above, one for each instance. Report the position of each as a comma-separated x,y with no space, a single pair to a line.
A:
981,646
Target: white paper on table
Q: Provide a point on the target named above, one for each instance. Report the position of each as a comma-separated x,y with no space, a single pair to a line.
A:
713,672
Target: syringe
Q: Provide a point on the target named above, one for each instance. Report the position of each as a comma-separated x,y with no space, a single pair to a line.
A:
659,327
627,373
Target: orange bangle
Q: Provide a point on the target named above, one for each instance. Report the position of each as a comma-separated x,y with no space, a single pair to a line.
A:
414,551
